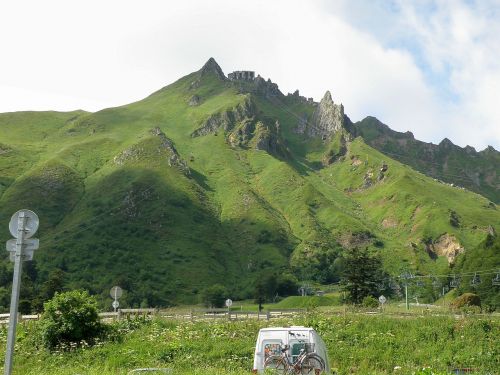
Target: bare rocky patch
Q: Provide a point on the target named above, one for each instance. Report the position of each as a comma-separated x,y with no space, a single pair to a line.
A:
445,245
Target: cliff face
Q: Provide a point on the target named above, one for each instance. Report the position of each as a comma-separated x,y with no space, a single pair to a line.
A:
328,118
226,120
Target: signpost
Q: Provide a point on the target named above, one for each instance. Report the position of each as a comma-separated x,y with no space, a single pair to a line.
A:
229,303
382,300
23,225
115,293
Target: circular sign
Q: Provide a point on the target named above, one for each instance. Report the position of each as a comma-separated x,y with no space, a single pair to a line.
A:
382,299
229,302
116,292
115,304
30,223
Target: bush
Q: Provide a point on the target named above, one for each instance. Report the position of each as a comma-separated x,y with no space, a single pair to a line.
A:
214,296
466,300
70,317
370,301
454,219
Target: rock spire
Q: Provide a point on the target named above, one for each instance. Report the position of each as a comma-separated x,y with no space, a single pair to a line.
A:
328,118
211,67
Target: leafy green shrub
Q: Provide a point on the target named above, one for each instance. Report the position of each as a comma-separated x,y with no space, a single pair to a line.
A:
214,296
370,301
70,317
454,219
466,300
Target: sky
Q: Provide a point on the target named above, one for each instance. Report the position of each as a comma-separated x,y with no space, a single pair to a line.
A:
430,67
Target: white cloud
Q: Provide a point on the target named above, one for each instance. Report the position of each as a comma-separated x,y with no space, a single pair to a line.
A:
91,55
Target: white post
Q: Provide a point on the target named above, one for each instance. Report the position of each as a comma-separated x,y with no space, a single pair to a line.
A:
406,295
14,300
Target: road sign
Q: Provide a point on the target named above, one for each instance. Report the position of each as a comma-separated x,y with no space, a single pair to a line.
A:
29,244
30,223
382,299
229,302
116,292
27,255
115,304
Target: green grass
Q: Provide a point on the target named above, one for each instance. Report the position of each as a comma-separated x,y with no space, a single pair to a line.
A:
355,343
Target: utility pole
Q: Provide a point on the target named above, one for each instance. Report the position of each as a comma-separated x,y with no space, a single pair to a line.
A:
406,276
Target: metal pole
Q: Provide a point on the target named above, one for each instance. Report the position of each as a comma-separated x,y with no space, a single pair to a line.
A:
14,300
406,294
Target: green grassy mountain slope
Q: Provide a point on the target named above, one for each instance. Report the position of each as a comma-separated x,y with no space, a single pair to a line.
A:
476,171
210,180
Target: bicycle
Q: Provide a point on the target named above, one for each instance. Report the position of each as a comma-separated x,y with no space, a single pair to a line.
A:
307,362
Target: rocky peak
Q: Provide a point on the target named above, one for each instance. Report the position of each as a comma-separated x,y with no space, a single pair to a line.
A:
470,149
211,67
446,143
327,98
489,150
328,118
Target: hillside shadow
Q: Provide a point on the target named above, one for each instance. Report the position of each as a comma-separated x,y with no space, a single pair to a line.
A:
200,179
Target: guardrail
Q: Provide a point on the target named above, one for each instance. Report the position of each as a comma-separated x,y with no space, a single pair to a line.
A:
206,314
4,318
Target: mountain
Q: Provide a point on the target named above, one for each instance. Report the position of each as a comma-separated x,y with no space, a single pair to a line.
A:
221,179
476,171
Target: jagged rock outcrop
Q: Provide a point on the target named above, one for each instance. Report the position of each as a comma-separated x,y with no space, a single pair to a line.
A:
131,154
259,86
368,179
381,172
174,159
226,120
328,118
211,67
267,88
243,129
194,101
4,149
258,135
446,245
143,150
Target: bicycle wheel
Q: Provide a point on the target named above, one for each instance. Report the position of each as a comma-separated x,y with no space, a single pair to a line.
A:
312,364
275,365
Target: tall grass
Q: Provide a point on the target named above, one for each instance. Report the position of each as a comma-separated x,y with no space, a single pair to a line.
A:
356,344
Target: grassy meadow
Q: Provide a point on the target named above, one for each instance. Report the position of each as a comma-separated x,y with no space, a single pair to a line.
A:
357,343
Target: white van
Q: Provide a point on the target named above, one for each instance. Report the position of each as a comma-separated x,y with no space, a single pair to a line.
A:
270,341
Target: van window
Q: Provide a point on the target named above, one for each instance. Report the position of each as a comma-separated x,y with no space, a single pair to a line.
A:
271,347
295,347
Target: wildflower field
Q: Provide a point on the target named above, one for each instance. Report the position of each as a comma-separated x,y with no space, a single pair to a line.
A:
357,343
